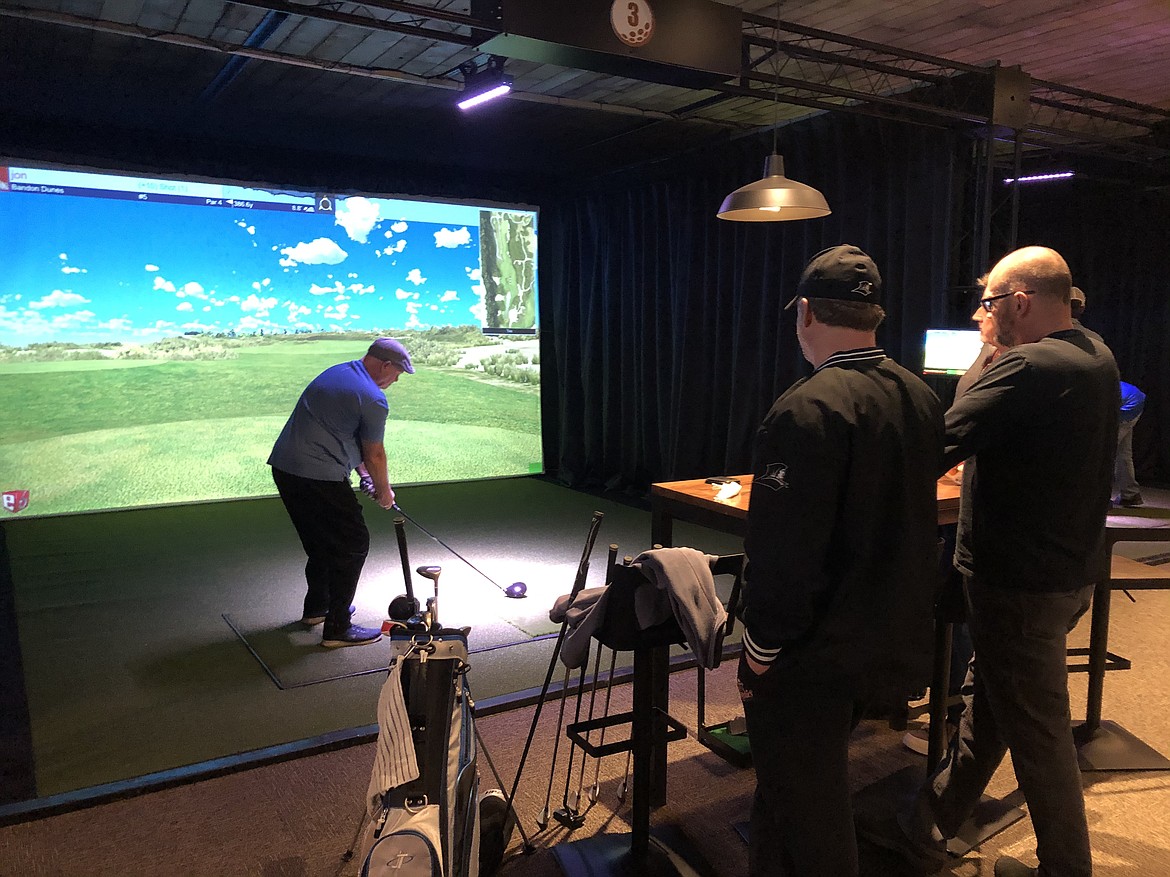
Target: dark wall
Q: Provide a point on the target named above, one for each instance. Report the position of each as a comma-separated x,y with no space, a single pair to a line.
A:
669,337
1116,238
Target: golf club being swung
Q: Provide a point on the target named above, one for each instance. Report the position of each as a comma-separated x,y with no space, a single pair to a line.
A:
516,590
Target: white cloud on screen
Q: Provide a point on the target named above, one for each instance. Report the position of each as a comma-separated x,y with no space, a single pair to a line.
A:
193,289
321,251
59,298
414,275
185,306
401,294
361,288
164,284
63,256
449,238
449,295
70,321
67,269
260,305
341,312
357,216
399,227
150,267
335,289
117,324
478,311
474,274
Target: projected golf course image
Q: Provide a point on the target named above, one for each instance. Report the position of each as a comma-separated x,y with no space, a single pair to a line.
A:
194,418
155,333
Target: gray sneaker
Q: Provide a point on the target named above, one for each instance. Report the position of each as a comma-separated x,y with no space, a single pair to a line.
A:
351,636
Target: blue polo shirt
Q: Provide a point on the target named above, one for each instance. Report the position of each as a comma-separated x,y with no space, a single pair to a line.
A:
341,408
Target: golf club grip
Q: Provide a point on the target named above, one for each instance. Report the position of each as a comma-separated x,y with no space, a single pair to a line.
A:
403,554
583,566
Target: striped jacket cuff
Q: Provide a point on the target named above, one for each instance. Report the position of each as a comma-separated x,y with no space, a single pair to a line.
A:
757,652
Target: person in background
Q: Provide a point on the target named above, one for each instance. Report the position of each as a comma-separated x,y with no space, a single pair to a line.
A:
1038,432
1076,304
841,568
950,602
1126,491
338,426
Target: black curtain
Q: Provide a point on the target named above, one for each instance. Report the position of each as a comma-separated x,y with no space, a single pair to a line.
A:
665,338
1115,235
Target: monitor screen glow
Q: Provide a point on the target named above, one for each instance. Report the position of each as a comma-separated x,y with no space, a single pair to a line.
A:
950,351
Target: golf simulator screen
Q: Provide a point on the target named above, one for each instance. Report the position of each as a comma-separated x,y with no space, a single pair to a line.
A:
156,333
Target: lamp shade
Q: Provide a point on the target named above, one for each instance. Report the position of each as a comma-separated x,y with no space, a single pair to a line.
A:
775,198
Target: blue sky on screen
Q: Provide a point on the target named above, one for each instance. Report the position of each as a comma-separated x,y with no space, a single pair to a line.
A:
87,269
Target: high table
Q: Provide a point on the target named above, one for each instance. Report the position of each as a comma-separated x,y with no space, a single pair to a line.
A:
1102,745
694,501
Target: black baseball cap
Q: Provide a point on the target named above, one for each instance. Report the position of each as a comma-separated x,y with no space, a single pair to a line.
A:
843,272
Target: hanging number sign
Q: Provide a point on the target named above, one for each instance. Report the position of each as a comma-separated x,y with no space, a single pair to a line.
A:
632,20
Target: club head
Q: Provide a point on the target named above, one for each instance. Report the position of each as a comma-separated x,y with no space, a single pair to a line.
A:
594,792
516,590
430,572
542,819
569,818
402,608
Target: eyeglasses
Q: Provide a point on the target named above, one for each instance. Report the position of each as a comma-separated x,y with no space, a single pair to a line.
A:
988,303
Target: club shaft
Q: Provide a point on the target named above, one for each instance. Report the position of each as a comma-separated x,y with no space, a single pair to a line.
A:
594,526
398,509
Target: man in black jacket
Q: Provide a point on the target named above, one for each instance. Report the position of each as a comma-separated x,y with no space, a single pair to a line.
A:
1038,430
842,566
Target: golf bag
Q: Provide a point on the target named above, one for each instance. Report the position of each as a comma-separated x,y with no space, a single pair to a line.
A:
422,804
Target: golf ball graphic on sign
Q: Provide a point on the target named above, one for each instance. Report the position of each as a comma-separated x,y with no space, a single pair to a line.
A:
632,21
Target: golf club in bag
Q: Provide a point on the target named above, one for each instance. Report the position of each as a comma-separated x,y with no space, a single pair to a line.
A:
578,586
405,606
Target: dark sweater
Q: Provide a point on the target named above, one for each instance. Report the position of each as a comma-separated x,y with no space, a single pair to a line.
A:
1040,429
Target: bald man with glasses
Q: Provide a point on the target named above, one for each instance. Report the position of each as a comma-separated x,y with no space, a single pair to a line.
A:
1038,430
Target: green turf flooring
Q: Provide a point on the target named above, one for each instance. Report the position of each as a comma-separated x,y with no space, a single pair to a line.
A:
131,668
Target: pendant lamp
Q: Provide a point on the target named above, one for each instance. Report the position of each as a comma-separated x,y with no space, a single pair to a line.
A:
775,198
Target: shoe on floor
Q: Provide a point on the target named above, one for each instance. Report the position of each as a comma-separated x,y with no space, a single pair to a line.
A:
1006,866
886,831
1131,502
351,636
312,620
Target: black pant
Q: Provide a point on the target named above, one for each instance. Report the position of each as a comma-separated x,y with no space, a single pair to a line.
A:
1016,698
802,815
328,518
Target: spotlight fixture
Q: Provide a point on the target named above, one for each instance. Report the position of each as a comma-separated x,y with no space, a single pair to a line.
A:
483,84
1039,178
774,198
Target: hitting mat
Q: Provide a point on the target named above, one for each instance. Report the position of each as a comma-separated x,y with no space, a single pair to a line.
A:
485,536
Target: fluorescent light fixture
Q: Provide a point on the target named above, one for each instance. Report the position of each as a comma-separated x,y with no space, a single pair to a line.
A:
1039,178
488,93
483,84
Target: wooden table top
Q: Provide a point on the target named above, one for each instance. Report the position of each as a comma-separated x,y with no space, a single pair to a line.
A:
697,492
